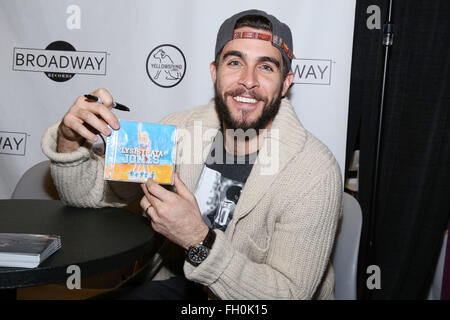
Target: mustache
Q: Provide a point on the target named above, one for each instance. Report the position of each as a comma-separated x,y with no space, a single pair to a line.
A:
248,93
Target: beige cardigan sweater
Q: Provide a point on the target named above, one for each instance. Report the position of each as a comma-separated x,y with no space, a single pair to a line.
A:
279,242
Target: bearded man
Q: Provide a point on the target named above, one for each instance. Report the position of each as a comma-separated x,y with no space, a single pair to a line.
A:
256,218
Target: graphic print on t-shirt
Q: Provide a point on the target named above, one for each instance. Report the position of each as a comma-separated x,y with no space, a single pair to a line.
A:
221,183
217,197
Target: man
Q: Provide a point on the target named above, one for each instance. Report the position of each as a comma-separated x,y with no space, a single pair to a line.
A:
260,234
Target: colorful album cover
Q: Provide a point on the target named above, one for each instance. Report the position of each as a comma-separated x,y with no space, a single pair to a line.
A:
139,150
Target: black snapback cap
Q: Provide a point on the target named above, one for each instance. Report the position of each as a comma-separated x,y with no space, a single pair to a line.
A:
281,34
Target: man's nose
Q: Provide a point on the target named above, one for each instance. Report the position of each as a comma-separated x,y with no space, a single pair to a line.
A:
249,79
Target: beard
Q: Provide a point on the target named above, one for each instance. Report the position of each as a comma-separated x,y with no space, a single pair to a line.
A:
270,110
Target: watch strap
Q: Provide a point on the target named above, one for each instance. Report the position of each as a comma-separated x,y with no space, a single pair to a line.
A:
209,239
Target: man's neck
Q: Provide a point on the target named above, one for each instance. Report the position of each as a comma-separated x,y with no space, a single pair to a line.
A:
239,142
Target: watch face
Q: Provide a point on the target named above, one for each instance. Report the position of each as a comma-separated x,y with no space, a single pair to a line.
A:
198,254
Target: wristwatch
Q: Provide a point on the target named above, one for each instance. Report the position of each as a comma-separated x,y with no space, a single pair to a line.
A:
198,253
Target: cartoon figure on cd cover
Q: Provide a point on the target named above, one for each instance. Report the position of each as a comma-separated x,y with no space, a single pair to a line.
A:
145,146
139,150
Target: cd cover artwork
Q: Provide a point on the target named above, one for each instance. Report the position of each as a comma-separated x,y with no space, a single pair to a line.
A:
139,150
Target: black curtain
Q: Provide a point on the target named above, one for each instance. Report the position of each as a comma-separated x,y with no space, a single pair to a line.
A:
413,195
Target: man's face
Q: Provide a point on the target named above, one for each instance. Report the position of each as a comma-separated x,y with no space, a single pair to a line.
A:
248,82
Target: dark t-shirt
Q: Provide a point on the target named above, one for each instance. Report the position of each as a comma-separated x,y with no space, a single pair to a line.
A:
221,183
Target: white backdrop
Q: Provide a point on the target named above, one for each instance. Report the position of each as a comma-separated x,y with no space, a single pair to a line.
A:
115,38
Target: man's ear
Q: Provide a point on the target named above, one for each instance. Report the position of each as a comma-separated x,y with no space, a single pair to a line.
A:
287,83
213,70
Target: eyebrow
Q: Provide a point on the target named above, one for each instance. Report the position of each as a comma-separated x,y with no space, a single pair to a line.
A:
239,54
233,53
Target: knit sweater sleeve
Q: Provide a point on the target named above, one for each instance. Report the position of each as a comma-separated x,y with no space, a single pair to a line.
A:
298,253
78,176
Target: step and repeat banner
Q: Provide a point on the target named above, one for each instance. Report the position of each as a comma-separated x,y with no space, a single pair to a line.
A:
53,51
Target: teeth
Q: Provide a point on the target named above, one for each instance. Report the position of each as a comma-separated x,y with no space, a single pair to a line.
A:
244,99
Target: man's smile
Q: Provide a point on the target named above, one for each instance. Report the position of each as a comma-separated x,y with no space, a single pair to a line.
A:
245,100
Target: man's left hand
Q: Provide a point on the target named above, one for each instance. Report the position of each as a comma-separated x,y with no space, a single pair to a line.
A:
174,215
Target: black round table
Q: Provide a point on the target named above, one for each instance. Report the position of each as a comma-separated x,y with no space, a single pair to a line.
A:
96,240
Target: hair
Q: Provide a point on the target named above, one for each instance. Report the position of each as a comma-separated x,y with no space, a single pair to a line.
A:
257,22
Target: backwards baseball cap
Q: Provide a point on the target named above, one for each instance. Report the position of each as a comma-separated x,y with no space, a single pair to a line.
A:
281,37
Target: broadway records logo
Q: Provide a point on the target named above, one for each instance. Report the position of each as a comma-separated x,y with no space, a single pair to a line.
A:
166,66
60,61
312,71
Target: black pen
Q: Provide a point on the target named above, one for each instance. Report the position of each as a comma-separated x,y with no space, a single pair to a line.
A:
116,105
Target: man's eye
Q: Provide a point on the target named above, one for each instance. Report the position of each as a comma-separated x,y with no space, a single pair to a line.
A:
233,63
266,67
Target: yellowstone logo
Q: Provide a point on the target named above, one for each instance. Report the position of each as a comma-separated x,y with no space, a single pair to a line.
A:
59,61
166,66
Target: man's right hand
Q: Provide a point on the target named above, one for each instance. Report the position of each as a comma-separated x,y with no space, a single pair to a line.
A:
84,120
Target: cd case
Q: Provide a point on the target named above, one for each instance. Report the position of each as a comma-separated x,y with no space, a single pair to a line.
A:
140,150
26,250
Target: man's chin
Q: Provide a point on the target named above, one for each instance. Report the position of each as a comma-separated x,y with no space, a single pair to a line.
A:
243,123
